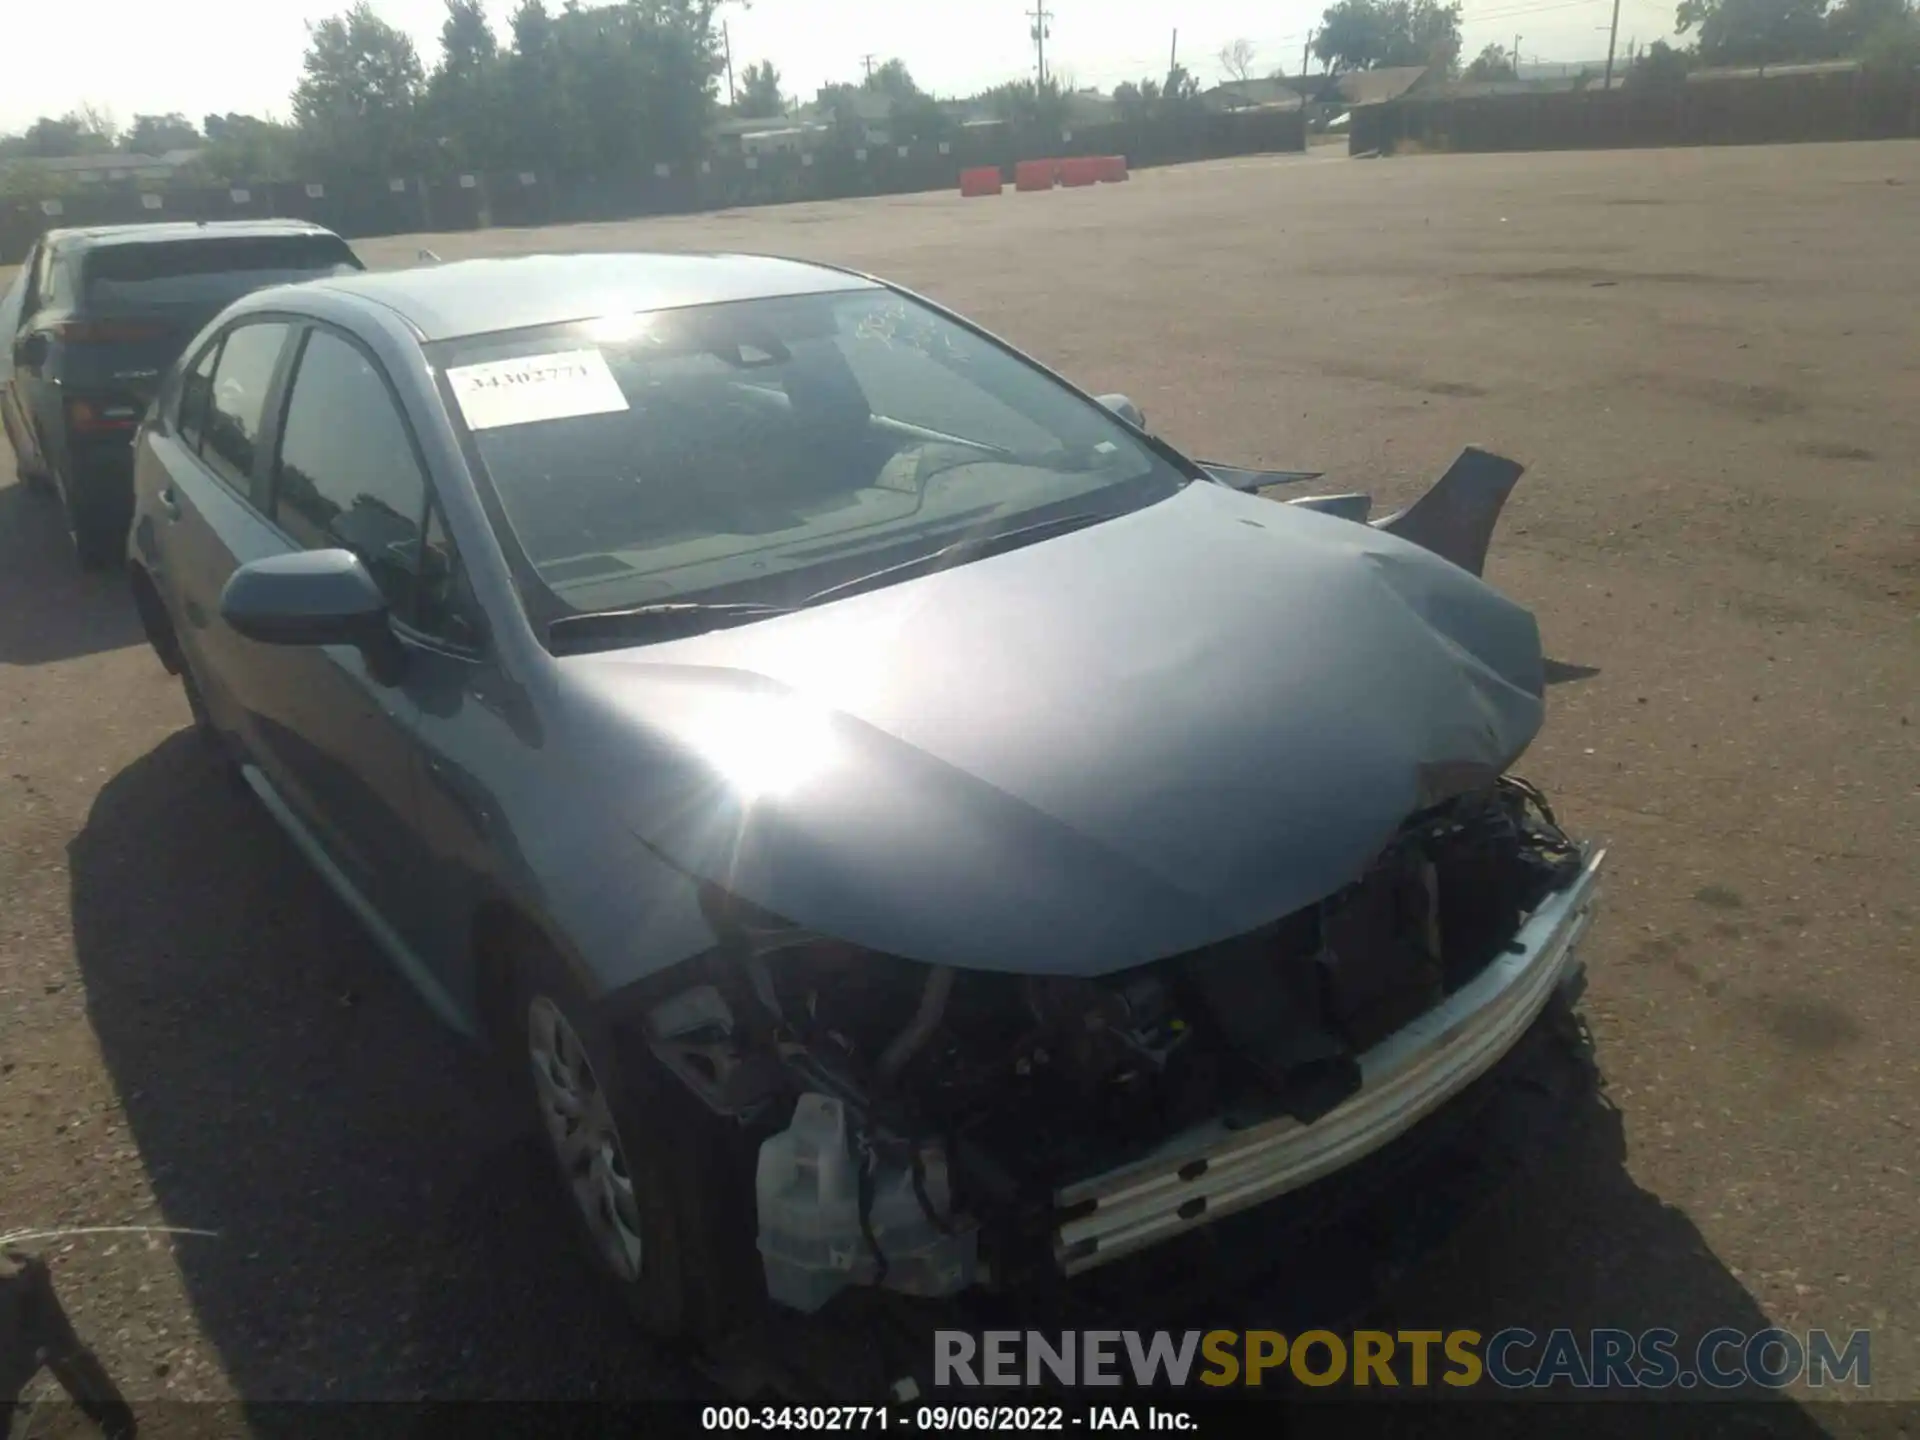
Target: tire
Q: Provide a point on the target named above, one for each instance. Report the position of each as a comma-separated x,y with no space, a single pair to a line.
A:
682,1258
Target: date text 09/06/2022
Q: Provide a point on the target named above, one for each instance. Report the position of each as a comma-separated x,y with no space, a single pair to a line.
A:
989,1419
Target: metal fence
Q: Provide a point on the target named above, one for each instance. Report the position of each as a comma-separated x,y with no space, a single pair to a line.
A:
408,204
1857,105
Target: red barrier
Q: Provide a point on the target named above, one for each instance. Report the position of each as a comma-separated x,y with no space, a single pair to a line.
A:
1080,170
981,180
1033,175
1113,168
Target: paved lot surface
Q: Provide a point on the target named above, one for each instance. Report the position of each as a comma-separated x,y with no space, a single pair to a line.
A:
1710,360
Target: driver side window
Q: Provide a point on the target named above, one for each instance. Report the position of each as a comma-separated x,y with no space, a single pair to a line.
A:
348,476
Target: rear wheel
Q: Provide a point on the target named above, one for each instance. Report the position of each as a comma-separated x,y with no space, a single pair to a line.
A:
650,1187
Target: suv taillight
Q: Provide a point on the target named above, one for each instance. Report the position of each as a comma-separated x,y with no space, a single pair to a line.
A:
107,332
93,417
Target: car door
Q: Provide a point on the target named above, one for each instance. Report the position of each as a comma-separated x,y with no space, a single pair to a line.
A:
203,502
347,474
10,306
23,394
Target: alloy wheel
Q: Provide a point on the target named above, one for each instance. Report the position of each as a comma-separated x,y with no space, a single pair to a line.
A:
586,1142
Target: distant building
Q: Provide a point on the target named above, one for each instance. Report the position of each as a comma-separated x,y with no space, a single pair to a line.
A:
1235,96
111,168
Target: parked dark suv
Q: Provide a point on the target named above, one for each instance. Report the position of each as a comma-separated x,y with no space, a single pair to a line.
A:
102,312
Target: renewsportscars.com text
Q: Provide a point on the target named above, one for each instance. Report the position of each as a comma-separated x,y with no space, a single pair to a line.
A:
1512,1359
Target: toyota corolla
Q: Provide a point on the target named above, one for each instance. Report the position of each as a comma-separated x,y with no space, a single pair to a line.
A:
900,822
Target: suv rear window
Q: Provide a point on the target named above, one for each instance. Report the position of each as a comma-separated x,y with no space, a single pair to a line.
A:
197,271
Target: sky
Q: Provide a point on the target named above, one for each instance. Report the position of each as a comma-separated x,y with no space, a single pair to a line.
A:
222,55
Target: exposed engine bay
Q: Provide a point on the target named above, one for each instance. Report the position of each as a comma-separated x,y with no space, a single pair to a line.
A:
917,1124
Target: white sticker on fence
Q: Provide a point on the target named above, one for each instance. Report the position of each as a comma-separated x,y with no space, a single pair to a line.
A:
526,177
536,387
662,170
52,207
239,196
861,153
1066,136
807,160
945,148
706,167
753,162
397,186
150,200
315,190
903,151
467,182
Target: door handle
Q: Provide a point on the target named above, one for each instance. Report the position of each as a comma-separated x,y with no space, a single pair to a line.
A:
169,502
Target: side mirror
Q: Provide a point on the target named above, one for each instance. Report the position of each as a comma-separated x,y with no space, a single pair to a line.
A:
31,350
314,597
1126,410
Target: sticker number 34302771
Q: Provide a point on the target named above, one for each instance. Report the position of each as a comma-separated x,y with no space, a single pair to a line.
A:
535,387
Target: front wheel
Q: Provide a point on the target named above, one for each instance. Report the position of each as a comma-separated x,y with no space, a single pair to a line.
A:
647,1179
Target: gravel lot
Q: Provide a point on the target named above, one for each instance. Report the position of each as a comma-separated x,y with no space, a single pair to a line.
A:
1710,360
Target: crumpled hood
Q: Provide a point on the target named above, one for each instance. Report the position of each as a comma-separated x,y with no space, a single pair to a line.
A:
1106,748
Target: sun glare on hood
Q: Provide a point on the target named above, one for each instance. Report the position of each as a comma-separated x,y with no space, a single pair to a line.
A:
763,745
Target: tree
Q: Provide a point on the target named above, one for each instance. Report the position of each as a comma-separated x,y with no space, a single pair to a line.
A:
1852,25
760,97
1492,63
85,131
913,114
157,134
245,147
1755,32
1894,47
1369,34
465,114
1237,60
358,101
893,80
1661,67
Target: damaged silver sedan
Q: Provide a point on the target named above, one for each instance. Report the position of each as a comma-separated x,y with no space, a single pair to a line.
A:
901,823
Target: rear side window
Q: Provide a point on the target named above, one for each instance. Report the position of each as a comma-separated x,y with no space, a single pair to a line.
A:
347,475
207,271
241,379
196,386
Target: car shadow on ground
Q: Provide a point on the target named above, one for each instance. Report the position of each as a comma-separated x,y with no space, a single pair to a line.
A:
54,610
384,1225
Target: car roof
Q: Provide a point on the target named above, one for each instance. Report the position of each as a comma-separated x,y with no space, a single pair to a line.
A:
479,297
92,237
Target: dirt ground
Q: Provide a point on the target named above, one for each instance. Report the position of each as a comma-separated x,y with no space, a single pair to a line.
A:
1710,359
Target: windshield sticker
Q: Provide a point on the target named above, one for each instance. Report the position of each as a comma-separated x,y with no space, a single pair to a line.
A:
534,388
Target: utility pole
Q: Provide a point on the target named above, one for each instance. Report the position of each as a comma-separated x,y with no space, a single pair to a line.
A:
1040,15
1173,52
867,61
1306,49
1516,57
1613,34
726,40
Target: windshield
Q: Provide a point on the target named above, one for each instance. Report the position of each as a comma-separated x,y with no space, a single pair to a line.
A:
765,449
210,270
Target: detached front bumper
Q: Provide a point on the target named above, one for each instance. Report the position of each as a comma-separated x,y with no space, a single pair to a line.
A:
1211,1172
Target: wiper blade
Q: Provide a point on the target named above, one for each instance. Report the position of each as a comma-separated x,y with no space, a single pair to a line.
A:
665,620
974,547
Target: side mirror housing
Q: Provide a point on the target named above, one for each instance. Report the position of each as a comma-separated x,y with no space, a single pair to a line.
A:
314,597
30,350
1126,410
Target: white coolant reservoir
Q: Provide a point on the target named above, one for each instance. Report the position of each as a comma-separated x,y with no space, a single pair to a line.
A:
808,1194
807,1187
